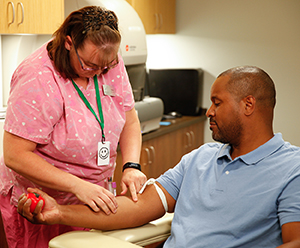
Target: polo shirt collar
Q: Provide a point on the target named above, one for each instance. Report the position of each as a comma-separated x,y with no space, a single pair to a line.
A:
258,154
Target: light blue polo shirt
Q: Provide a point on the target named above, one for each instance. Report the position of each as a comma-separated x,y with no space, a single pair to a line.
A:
243,202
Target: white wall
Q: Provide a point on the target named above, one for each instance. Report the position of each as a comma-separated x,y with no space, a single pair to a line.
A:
219,34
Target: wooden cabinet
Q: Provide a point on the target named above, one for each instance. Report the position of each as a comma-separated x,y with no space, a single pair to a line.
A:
30,16
156,155
192,137
163,148
158,16
50,15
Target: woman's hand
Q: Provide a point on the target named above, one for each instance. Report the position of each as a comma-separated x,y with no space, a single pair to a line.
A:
97,197
50,214
134,180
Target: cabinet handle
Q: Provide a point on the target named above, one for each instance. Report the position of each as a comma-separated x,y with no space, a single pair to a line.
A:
161,21
153,155
156,21
193,138
13,11
22,8
148,156
188,140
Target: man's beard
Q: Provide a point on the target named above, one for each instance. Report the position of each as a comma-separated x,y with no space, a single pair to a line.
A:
228,134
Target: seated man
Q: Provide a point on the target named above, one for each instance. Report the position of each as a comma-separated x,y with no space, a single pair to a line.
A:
241,192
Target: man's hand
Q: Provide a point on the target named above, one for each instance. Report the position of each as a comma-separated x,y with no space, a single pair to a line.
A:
50,214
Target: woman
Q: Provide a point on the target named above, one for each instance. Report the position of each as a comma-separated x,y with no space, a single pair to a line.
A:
70,105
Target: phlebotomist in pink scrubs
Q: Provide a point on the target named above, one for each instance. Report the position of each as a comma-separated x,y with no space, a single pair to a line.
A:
70,106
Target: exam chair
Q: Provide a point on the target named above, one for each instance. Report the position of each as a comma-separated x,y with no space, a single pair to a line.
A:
151,233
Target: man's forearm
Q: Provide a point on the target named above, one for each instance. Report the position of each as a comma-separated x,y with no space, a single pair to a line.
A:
129,213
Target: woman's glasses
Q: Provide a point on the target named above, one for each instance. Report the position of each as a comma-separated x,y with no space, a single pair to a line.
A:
104,69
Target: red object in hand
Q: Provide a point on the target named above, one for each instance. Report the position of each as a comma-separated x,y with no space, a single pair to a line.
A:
35,198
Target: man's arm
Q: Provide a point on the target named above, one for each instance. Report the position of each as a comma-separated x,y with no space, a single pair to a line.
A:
129,213
290,235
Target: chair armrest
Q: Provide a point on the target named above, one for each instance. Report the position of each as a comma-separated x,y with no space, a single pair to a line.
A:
154,231
79,239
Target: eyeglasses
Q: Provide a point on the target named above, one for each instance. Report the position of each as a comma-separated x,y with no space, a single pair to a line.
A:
104,69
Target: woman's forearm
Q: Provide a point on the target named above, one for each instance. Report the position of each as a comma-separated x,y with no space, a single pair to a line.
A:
40,172
131,138
19,156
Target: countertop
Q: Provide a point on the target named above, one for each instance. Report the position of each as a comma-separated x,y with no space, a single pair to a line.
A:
176,124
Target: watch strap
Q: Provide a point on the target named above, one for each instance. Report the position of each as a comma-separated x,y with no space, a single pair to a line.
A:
132,165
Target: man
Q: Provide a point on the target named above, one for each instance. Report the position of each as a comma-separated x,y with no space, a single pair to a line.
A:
242,193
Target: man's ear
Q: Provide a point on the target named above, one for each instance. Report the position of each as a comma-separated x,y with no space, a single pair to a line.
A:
68,42
249,104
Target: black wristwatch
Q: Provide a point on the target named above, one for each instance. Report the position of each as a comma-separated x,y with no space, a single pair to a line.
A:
132,165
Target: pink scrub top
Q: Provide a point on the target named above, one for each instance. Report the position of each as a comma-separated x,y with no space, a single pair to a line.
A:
45,108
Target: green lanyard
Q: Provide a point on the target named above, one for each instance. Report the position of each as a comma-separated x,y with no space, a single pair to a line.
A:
90,107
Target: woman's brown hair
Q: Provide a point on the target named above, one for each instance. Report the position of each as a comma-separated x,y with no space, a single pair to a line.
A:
91,22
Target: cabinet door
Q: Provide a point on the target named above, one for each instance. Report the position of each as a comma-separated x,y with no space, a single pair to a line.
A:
158,16
155,156
168,153
146,10
166,12
47,16
191,137
11,18
31,16
198,131
177,141
164,152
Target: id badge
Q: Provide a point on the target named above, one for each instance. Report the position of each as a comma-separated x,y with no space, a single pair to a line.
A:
103,153
109,90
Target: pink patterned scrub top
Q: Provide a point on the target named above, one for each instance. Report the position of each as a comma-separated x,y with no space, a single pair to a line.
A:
45,108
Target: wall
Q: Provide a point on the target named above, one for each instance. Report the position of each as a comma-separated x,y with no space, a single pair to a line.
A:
216,35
